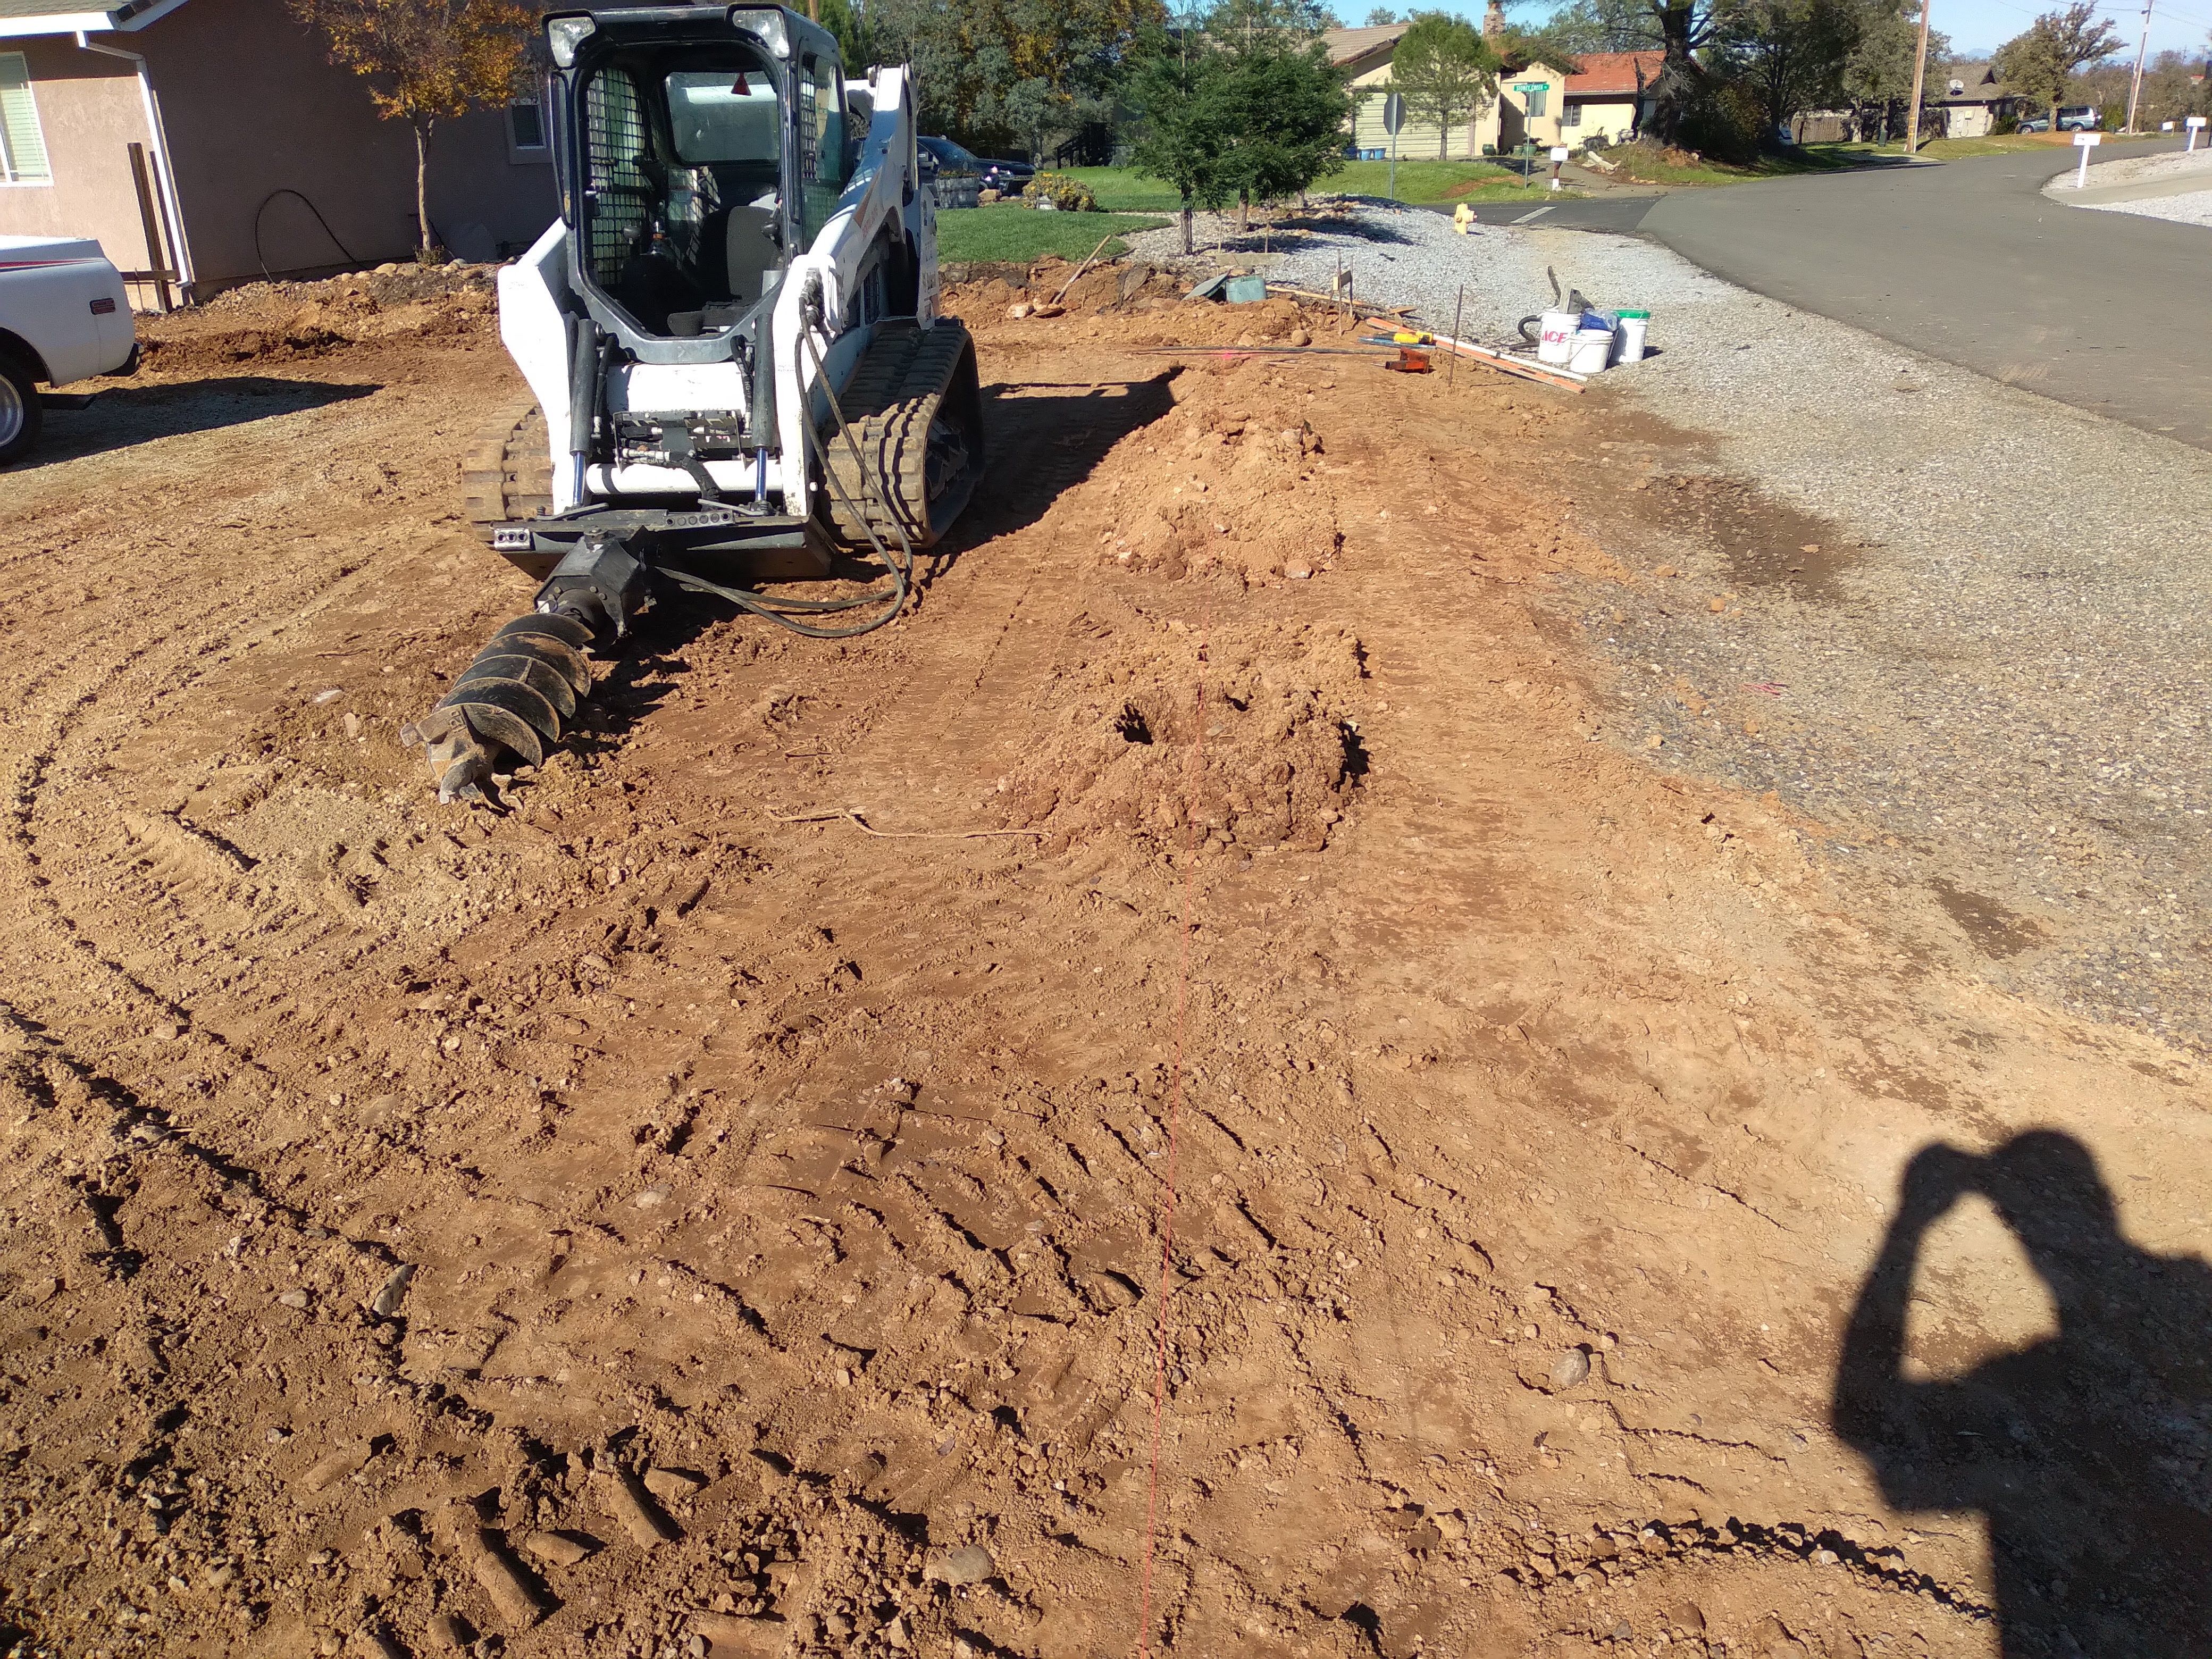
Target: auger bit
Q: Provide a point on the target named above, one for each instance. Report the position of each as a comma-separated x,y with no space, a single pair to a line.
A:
519,698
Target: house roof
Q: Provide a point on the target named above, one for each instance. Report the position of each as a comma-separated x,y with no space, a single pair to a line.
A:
26,17
1603,72
1345,46
1982,85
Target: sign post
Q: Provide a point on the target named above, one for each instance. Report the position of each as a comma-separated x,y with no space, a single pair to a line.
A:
1393,117
2085,142
2196,124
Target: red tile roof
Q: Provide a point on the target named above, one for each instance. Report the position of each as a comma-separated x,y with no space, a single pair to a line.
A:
1615,71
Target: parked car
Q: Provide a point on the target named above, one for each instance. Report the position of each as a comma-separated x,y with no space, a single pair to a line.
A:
2082,118
2034,123
63,317
1009,175
955,174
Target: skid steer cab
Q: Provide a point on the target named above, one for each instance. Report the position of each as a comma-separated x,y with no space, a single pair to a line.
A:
732,343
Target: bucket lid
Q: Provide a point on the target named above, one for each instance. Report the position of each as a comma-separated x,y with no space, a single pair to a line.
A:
1644,314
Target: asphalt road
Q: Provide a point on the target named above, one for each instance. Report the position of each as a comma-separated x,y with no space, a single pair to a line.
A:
1969,262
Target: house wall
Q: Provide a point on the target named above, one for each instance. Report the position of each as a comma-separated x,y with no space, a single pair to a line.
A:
254,108
90,111
1417,140
1968,121
1513,122
1610,118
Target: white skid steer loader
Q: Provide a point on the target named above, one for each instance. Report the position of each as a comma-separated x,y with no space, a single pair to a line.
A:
732,338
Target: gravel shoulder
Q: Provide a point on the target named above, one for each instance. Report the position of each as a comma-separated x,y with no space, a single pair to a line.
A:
1983,613
1958,626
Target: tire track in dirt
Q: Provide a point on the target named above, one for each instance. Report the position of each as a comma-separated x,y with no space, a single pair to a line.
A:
807,1184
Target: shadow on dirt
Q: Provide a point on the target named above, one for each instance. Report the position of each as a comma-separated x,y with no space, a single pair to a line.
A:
116,418
1042,439
2087,1451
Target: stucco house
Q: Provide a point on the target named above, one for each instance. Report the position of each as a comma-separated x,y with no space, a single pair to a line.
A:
1606,96
207,143
1528,106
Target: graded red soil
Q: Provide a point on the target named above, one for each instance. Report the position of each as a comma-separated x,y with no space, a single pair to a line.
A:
674,1219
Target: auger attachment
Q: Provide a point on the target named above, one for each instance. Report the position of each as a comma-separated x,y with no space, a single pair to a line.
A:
519,697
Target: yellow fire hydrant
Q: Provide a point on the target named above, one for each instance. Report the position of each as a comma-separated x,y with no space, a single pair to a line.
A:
1462,217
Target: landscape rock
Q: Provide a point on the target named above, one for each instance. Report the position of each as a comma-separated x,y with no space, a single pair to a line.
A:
970,1563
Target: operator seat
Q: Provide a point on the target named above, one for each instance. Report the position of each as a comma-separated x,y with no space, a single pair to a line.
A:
753,250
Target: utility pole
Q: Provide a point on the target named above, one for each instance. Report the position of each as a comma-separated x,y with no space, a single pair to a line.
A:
2135,89
1919,77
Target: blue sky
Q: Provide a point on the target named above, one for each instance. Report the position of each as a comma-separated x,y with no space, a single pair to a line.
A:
1976,27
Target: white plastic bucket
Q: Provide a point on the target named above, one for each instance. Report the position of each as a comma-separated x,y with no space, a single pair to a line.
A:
1632,329
1557,342
1592,347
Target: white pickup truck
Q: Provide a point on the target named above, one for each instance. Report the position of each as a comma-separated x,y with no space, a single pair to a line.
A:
63,317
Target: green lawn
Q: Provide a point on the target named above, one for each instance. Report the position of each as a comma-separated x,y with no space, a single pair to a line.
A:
1641,164
1016,234
1955,149
1120,190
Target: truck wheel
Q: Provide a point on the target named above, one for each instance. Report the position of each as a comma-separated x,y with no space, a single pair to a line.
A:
20,416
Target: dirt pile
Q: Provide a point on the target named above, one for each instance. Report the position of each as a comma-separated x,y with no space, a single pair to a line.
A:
1275,765
1228,481
282,322
990,290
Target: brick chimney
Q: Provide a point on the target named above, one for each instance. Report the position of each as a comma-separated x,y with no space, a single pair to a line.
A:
1493,20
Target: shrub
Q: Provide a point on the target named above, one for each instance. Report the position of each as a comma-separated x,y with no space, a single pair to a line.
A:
1726,123
1069,195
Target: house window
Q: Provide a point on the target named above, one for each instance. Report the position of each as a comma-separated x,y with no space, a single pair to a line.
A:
1571,115
1536,96
22,145
526,124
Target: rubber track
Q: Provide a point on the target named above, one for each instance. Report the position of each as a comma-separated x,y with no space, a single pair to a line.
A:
507,473
894,395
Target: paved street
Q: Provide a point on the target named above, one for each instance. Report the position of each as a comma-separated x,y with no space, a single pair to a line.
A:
1968,261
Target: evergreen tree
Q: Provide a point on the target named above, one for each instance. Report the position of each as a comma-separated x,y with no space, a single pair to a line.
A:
1175,85
1283,105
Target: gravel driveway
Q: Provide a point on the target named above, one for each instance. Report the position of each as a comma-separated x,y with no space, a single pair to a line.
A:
1986,686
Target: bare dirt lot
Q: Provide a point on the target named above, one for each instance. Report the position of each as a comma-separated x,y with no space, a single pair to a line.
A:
644,1224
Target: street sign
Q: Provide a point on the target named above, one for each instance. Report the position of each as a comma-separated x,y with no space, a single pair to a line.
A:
1530,86
1393,117
2088,138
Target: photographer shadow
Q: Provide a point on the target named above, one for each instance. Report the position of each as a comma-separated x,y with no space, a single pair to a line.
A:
2087,1451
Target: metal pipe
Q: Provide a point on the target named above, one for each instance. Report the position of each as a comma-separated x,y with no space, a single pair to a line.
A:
156,131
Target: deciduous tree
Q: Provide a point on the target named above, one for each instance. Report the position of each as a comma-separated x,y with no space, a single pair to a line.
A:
1792,54
995,69
2046,56
1445,72
1879,70
426,61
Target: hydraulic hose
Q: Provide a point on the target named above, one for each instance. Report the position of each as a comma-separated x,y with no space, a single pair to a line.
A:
787,612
